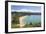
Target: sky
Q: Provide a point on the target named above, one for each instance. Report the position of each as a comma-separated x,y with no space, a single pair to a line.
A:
26,8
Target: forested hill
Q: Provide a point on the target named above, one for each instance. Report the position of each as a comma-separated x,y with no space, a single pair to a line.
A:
25,13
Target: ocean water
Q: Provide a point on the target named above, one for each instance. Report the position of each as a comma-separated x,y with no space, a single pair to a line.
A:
32,19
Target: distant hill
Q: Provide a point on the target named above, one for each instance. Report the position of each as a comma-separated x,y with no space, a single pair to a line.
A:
25,13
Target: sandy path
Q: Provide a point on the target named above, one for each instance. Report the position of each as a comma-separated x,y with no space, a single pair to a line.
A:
21,21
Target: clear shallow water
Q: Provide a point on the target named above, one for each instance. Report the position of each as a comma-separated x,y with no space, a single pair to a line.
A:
32,19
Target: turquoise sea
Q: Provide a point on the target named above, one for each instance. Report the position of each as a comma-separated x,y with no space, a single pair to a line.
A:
32,19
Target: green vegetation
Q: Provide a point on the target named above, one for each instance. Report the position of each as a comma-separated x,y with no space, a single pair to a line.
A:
15,21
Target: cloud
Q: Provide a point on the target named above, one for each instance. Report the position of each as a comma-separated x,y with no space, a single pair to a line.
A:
25,10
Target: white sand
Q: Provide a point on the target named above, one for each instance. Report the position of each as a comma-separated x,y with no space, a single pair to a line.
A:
21,21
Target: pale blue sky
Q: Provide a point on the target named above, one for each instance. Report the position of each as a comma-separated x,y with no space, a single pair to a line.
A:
18,7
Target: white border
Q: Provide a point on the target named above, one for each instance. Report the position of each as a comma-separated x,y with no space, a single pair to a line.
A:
24,29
